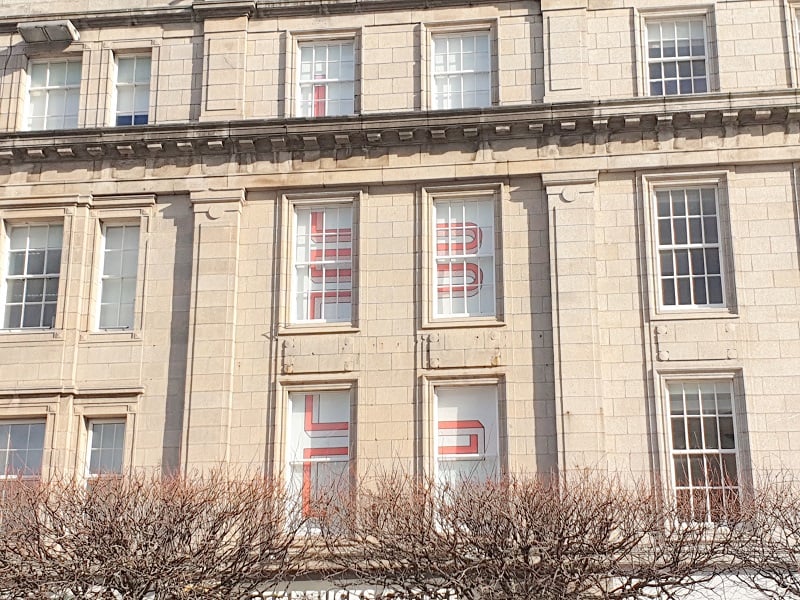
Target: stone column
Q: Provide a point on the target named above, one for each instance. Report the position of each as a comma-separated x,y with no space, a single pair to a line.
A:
224,52
565,29
212,326
573,281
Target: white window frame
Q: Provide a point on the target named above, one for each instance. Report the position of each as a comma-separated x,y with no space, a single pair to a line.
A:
706,13
74,87
468,193
649,184
300,393
90,423
492,444
689,248
136,85
6,276
441,32
306,40
4,474
305,200
105,225
133,210
691,60
740,439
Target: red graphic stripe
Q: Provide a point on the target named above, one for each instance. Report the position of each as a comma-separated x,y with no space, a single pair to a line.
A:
451,429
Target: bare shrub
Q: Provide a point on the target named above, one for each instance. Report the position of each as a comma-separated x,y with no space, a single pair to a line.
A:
139,536
523,537
768,550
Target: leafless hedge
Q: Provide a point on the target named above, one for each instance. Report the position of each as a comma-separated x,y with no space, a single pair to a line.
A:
140,536
768,547
524,538
569,538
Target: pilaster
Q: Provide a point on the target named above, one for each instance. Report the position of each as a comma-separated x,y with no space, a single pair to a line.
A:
212,325
565,30
224,55
573,280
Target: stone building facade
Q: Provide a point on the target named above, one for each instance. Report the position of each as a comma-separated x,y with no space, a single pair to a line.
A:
330,237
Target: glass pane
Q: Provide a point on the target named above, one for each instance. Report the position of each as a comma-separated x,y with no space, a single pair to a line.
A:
112,263
49,315
112,288
697,261
16,263
727,437
698,471
666,264
37,237
57,74
13,317
128,291
681,471
125,70
38,73
125,100
710,230
54,236
141,100
709,201
729,470
32,316
34,290
18,238
710,432
15,290
684,291
142,73
35,262
664,232
678,434
73,72
668,292
108,316
51,289
129,263
53,264
715,290
680,231
694,434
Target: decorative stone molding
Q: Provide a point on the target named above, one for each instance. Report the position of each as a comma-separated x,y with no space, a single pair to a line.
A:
570,186
546,126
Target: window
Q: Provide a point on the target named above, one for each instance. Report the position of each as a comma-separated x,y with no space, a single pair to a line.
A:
21,449
106,446
326,79
705,469
466,433
31,284
318,445
464,264
322,273
118,280
133,90
677,60
461,73
689,258
53,94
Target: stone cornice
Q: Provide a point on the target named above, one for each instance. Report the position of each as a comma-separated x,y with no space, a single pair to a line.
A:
553,125
204,9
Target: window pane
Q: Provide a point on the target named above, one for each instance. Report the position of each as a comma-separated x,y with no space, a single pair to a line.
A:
318,445
464,276
322,273
467,441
